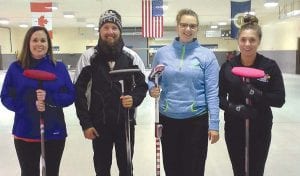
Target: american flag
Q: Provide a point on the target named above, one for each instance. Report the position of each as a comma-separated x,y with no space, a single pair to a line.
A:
152,18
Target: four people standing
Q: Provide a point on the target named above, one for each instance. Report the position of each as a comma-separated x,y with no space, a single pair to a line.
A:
188,90
189,102
264,93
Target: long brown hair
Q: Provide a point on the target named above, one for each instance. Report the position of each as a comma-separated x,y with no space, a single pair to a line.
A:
25,55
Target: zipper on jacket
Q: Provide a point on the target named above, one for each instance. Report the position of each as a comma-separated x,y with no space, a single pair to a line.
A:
182,57
133,85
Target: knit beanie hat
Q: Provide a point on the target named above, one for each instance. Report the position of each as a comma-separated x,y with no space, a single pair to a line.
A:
110,16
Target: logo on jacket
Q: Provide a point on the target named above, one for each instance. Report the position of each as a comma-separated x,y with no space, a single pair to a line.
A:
265,78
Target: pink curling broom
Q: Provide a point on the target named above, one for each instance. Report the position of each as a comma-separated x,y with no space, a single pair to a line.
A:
246,73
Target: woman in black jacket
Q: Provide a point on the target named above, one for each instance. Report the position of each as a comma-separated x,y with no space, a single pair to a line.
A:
264,93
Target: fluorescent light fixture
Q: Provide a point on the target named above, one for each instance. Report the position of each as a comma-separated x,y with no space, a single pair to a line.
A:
23,25
213,26
165,7
271,3
69,15
4,21
90,25
53,7
222,23
252,12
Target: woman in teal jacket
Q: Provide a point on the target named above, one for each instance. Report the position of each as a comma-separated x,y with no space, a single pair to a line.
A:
25,97
189,103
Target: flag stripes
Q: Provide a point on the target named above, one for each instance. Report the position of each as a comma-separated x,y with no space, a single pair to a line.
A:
152,19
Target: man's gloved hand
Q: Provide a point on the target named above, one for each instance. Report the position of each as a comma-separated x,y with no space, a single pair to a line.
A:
241,111
251,92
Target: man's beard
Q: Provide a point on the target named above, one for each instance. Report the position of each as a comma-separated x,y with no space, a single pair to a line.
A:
111,50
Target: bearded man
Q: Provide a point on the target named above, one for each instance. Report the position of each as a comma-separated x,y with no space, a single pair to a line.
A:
101,102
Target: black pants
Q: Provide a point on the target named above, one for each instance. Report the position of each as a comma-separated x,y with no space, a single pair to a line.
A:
29,154
184,145
259,143
112,135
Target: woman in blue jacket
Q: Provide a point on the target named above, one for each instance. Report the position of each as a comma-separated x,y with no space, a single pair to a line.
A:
188,105
27,99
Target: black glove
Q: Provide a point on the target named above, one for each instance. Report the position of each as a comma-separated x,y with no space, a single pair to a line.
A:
241,111
251,92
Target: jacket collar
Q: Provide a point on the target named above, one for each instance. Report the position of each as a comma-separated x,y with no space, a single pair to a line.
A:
188,46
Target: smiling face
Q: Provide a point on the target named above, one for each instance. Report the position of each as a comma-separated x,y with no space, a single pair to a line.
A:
187,28
248,42
110,33
38,44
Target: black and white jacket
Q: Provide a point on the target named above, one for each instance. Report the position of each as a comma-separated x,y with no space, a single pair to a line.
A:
98,94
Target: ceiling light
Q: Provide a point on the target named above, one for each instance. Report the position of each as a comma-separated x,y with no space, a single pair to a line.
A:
4,21
252,12
90,25
165,7
54,6
23,25
69,14
271,3
222,23
214,27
